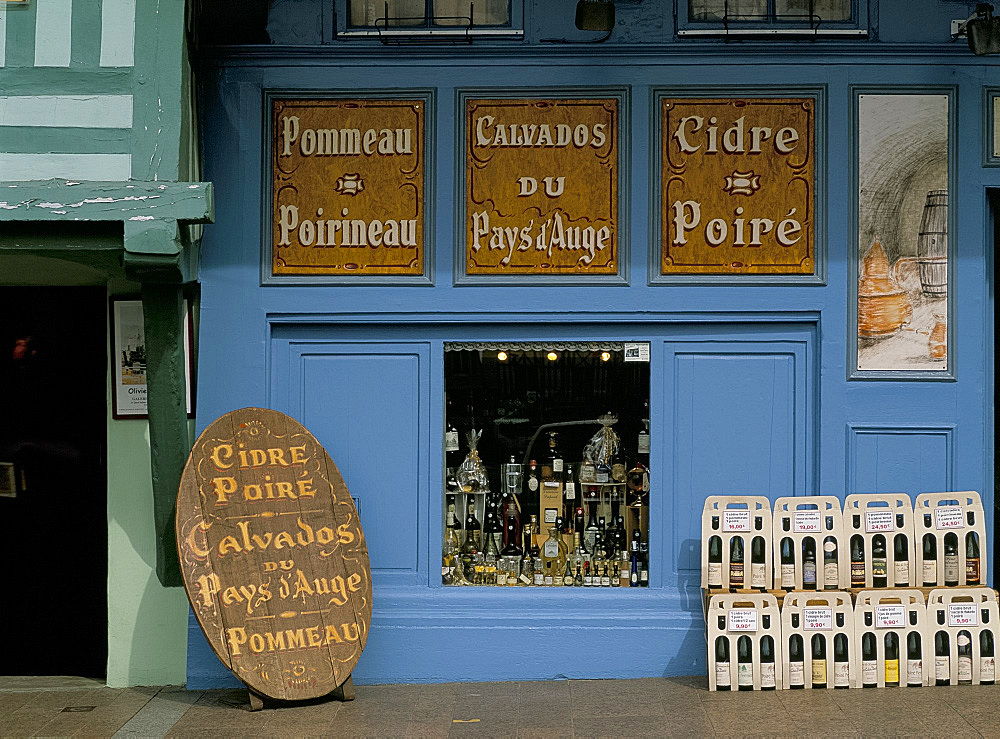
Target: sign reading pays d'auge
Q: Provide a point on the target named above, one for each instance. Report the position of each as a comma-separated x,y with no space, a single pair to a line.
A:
738,192
348,187
273,555
541,187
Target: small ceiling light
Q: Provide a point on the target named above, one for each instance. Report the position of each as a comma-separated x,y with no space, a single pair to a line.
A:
983,31
502,356
552,356
595,15
605,356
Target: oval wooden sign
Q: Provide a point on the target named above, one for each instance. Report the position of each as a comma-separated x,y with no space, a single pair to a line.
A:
273,555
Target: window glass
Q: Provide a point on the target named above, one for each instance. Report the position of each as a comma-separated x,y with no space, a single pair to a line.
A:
769,10
484,12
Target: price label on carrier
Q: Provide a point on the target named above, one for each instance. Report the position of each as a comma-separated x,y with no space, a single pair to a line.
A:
876,521
890,617
806,522
743,619
636,351
817,619
963,614
738,520
948,517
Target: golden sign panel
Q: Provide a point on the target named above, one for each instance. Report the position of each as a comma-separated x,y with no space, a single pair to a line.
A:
738,186
348,183
541,187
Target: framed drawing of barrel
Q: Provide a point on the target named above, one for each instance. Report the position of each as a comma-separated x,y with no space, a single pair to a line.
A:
902,262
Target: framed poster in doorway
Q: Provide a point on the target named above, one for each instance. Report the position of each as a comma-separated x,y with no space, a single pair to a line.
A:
128,359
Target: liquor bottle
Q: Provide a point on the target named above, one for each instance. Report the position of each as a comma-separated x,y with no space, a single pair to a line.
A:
736,562
869,661
642,444
588,472
950,559
808,563
758,570
942,659
453,530
796,665
880,563
914,661
618,464
511,553
596,565
577,556
643,564
972,558
569,496
527,559
637,489
471,548
715,562
616,575
553,557
767,677
633,577
588,579
818,661
744,663
841,663
578,577
987,658
621,537
901,561
857,561
493,533
964,651
930,561
531,483
623,571
567,579
787,564
891,660
451,451
723,676
602,472
538,569
552,466
590,532
831,569
601,540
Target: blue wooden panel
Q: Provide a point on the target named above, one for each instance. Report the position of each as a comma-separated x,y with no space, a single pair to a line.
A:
911,460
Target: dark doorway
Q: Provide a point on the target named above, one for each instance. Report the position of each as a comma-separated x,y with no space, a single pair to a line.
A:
53,485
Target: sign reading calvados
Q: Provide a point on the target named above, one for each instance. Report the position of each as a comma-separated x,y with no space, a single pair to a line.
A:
273,555
541,187
738,186
348,187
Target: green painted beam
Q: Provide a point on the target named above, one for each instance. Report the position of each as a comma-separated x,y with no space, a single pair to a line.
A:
59,140
65,81
61,200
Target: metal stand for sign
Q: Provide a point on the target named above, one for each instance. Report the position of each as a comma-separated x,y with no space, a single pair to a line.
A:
344,692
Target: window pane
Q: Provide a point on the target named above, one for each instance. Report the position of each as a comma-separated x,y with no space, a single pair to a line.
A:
827,10
396,12
484,12
714,10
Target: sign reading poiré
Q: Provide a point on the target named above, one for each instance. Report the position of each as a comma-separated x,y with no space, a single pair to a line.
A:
541,187
738,186
348,187
273,555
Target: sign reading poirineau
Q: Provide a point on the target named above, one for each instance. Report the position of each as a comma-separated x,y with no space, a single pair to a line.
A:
738,186
541,187
348,187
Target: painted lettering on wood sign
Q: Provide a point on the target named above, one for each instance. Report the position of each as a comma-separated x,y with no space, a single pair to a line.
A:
273,556
541,187
738,186
348,187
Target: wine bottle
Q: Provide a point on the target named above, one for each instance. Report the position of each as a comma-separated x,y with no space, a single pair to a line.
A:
723,676
758,572
633,578
891,659
470,550
914,661
950,559
736,562
591,531
451,452
930,561
643,564
787,564
492,532
857,561
531,482
588,578
796,665
744,663
567,580
578,577
901,561
964,652
972,558
942,659
869,661
767,678
527,559
569,496
841,662
987,659
552,466
831,569
880,564
808,563
818,661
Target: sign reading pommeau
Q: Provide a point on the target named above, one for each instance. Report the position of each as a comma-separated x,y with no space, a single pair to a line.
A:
273,556
348,184
541,186
738,180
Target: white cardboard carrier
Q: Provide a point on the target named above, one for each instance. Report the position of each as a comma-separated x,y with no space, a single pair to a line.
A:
972,609
731,615
899,606
736,514
799,517
818,614
889,514
939,513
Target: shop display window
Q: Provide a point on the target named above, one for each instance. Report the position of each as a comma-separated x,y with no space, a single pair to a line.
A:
546,454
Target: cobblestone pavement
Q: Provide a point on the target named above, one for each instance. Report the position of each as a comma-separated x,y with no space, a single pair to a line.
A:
55,707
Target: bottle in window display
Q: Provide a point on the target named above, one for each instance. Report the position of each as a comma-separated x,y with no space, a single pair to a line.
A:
569,497
591,531
618,464
552,467
531,482
471,550
511,553
643,564
452,545
493,533
528,559
633,579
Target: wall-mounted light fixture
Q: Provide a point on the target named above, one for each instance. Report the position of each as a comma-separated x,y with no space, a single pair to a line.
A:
982,30
595,15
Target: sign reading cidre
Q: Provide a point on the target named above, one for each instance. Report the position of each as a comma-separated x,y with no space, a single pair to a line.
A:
738,186
348,187
541,186
273,555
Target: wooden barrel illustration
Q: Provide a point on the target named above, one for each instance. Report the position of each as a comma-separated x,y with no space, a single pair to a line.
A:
273,556
932,245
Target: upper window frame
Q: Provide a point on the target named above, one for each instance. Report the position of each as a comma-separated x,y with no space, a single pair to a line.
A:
855,28
514,29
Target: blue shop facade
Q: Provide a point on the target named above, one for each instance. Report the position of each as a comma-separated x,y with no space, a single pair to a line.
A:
760,246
